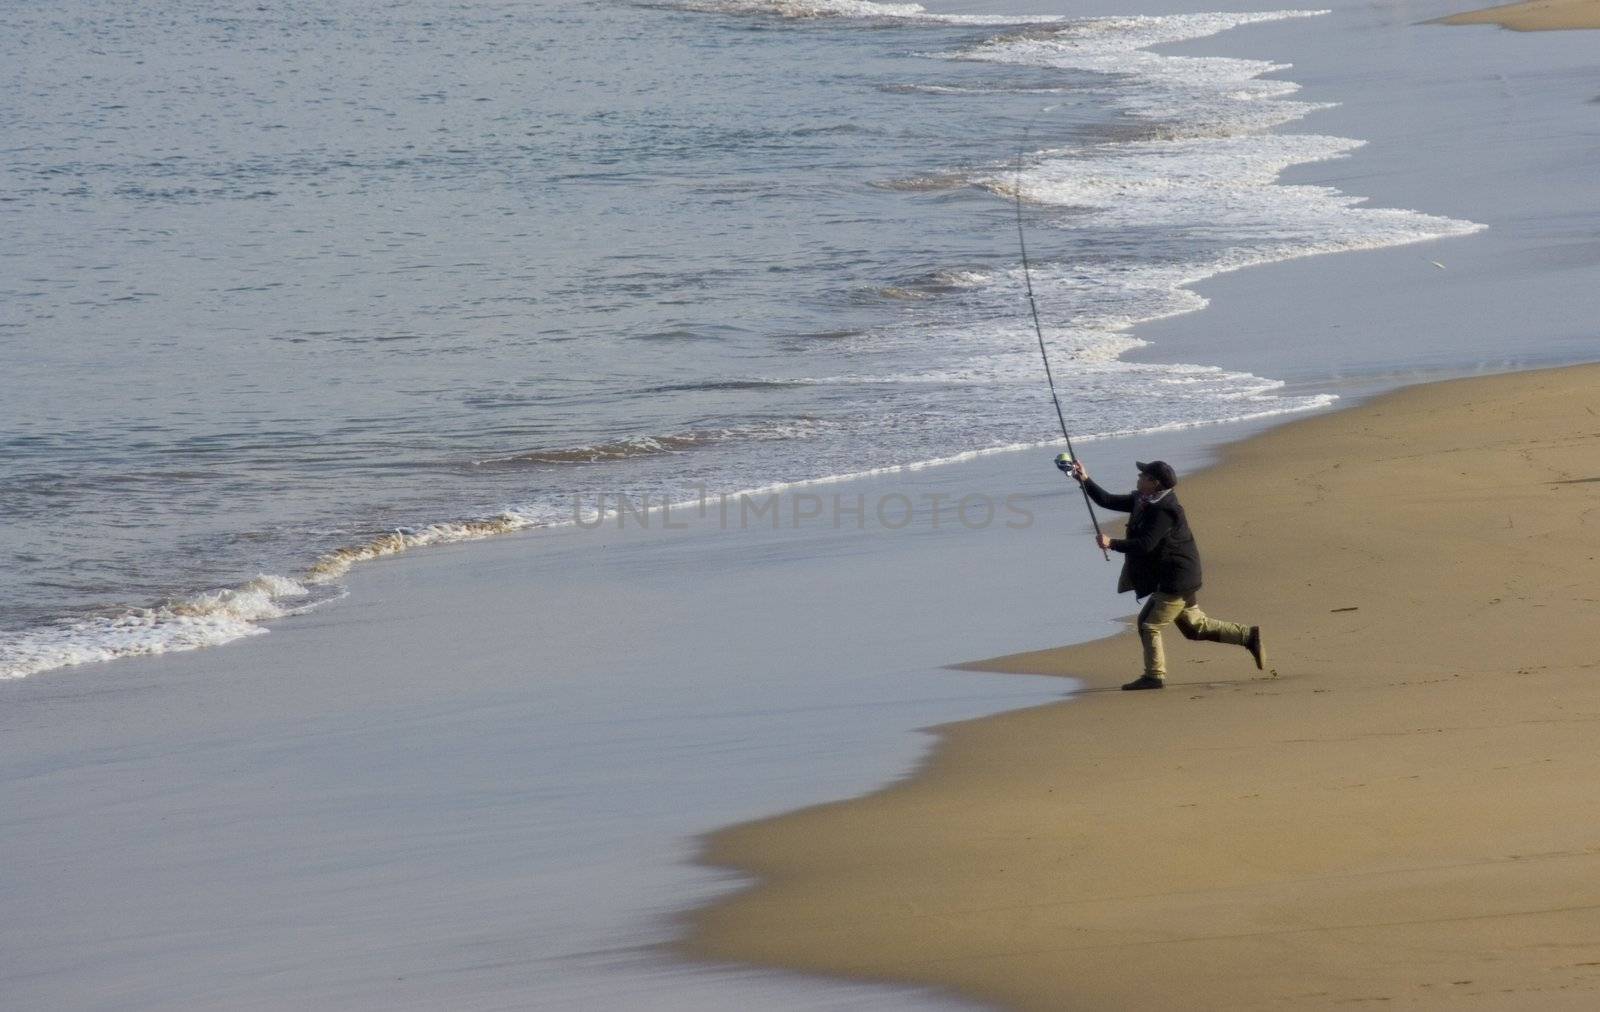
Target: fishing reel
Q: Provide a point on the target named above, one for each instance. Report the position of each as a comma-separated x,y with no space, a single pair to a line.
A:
1064,463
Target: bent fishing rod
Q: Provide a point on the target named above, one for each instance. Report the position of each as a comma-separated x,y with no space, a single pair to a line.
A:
1027,280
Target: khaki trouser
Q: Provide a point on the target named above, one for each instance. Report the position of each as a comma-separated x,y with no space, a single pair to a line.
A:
1182,611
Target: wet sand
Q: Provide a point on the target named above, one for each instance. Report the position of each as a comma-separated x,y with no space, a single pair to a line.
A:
1534,15
1408,812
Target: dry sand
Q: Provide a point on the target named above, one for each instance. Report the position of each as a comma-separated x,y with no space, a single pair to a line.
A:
1534,15
1410,813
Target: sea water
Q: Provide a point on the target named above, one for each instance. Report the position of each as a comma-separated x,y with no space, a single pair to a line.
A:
289,287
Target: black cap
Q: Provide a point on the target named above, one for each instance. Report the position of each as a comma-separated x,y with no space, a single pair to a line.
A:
1161,471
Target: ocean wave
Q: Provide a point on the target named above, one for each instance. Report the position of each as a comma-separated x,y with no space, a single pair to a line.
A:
928,183
936,283
742,384
336,563
203,620
811,9
1194,95
633,447
599,453
1223,192
901,88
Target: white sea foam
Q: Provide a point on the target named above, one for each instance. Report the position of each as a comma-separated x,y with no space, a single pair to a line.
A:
222,616
1201,198
803,9
1197,197
1215,192
964,279
203,620
1194,95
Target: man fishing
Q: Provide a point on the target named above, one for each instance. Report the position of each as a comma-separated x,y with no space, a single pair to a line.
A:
1161,562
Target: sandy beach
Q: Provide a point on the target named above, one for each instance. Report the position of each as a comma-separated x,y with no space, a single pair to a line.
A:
1405,814
1533,16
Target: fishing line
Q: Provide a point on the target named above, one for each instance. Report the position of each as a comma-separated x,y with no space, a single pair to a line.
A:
1027,280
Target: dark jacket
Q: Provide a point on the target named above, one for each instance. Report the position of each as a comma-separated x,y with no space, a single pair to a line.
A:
1160,550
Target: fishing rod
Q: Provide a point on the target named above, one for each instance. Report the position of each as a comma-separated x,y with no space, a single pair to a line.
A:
1027,280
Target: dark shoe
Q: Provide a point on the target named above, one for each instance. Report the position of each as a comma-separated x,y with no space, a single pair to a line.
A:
1253,644
1145,682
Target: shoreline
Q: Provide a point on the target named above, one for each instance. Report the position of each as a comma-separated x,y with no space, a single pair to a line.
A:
216,618
1234,839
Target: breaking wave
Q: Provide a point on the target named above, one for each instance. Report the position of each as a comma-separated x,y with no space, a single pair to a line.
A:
336,563
809,9
203,620
635,447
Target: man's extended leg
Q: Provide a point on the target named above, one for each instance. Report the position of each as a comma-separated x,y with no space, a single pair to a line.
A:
1160,610
1196,625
